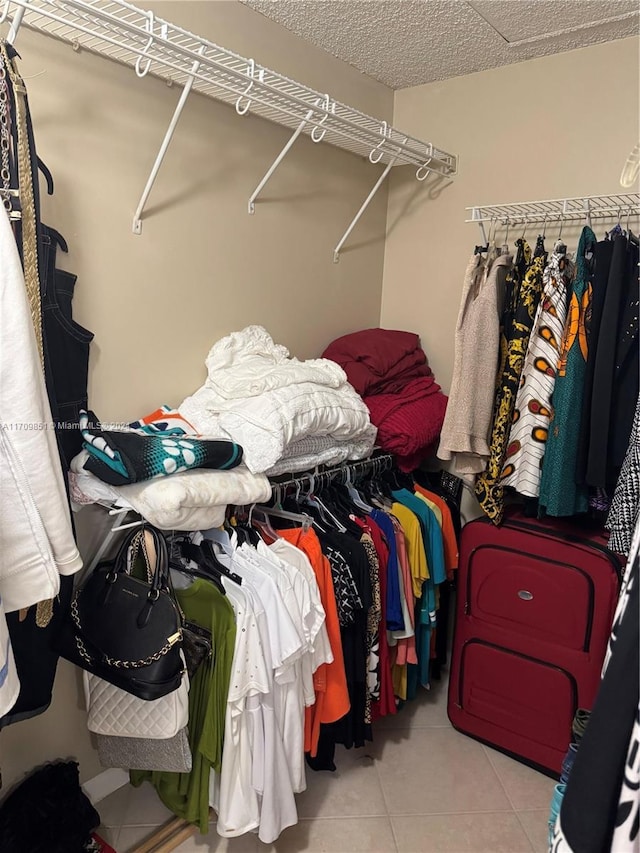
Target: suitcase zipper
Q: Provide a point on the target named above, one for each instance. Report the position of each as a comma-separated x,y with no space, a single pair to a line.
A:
574,686
568,537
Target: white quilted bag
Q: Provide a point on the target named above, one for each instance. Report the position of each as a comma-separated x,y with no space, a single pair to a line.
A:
113,711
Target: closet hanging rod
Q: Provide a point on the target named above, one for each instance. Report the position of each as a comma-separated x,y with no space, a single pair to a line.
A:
567,209
384,461
130,35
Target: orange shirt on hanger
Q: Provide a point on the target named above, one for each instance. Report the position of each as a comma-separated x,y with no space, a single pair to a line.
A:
329,680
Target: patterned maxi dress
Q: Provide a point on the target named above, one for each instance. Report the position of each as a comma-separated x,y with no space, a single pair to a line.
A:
529,431
524,288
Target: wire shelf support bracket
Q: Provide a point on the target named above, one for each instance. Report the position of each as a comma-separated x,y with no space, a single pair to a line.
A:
137,217
365,205
277,161
124,33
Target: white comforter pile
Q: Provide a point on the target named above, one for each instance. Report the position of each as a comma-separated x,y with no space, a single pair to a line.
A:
270,404
191,500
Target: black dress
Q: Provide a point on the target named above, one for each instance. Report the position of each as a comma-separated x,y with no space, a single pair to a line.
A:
615,377
602,264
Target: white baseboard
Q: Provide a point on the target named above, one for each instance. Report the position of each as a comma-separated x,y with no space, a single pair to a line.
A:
105,783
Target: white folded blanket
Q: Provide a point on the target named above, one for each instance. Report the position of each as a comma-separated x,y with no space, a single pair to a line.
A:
265,401
191,500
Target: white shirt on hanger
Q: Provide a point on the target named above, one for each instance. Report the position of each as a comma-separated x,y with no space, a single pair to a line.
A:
232,793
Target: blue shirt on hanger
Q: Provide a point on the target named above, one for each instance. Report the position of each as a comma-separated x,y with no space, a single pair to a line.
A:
395,619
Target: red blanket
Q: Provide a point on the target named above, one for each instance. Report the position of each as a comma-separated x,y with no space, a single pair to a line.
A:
379,361
409,423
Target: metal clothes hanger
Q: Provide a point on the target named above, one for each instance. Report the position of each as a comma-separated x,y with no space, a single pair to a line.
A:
312,499
355,494
505,245
560,247
302,518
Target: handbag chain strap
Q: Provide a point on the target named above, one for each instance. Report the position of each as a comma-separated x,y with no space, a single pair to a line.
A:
115,662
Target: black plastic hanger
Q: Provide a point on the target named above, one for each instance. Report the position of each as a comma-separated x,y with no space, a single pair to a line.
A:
211,561
57,236
47,176
207,562
197,573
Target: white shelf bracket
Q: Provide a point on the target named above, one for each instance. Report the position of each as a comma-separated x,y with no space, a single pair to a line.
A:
277,161
137,217
476,216
16,21
367,202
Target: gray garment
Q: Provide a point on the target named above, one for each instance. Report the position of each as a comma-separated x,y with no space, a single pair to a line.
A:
467,423
137,753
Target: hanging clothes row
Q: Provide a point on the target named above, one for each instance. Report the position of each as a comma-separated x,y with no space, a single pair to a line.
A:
545,378
324,611
44,383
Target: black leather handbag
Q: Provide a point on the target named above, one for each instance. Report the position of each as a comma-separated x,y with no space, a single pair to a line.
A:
124,628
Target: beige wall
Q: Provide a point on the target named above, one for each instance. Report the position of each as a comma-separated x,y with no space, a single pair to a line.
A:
202,267
548,128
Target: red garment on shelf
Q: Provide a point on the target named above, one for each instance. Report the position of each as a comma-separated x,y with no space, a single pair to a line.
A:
409,423
379,361
390,371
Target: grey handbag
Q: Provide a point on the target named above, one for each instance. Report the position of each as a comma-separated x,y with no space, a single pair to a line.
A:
138,753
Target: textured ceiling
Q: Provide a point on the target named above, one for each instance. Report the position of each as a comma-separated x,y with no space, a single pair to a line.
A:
407,42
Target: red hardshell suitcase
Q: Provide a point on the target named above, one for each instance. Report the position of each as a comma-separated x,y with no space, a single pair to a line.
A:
534,610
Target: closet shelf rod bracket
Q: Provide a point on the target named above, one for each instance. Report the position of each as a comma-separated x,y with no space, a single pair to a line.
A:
365,205
476,216
277,161
16,22
137,217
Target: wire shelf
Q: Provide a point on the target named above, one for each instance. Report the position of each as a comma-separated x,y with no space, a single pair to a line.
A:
594,207
126,34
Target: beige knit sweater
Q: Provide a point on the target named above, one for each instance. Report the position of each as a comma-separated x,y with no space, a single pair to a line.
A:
465,432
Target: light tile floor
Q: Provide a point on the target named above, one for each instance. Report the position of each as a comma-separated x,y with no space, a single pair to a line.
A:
420,787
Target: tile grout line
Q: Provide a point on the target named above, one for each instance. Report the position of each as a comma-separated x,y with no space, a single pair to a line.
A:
415,814
386,805
525,832
506,792
393,834
502,785
451,814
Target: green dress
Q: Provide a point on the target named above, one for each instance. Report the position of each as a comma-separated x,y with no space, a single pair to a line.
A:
560,495
187,794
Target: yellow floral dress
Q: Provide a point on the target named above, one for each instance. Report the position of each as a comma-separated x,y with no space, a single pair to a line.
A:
524,288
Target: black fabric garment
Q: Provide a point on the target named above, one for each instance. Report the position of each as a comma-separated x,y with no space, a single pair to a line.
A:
36,660
625,377
66,349
610,383
442,631
348,600
590,806
602,260
120,458
351,730
48,812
